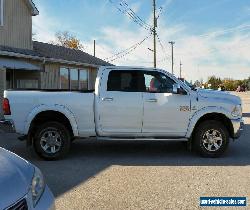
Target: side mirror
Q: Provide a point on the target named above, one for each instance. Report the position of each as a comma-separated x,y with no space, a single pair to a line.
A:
176,88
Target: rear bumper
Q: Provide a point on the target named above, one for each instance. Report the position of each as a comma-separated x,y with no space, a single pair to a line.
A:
7,126
238,126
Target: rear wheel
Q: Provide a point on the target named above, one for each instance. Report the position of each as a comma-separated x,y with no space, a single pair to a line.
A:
211,139
52,141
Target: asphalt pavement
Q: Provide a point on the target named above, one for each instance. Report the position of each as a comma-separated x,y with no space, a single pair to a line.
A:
142,175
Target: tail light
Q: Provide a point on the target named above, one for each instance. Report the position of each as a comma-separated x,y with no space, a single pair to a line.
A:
6,107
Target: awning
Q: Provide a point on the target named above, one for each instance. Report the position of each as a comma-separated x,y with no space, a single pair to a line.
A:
18,64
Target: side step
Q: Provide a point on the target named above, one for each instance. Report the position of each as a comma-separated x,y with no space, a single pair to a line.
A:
140,139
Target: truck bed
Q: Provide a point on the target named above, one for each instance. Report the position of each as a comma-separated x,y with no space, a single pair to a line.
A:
78,105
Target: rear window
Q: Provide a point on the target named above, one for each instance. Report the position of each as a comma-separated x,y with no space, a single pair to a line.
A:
126,81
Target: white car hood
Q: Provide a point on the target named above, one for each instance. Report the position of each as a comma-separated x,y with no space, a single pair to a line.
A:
15,178
219,95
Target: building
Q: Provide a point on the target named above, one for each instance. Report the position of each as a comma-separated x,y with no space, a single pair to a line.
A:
29,64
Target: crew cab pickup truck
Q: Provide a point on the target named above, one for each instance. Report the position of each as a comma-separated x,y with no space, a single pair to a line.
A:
128,103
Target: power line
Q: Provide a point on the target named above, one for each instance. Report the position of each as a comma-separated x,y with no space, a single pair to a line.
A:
124,9
134,14
125,52
162,46
166,57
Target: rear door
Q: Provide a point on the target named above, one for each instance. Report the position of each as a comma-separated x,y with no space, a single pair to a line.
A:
120,104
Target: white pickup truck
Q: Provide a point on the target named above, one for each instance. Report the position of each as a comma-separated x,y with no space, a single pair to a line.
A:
128,103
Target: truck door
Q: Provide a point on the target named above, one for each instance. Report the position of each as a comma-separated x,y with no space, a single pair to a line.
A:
120,105
165,113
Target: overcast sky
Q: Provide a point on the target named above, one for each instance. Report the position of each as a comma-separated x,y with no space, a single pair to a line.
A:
212,36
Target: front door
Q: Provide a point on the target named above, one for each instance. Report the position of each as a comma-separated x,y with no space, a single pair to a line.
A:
120,104
165,113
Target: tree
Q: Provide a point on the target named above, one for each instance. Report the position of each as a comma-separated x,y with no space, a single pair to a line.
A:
230,84
68,40
214,82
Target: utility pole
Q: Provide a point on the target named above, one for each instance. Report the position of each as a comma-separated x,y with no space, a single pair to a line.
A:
94,48
154,31
172,45
180,69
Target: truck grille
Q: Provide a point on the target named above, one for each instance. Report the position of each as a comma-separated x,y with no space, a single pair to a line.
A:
21,205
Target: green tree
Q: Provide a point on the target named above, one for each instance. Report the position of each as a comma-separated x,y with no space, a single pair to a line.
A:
68,40
214,82
230,84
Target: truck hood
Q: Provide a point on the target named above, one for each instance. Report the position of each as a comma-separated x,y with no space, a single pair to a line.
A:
219,95
15,178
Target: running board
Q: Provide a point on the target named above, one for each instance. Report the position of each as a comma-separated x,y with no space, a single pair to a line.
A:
140,139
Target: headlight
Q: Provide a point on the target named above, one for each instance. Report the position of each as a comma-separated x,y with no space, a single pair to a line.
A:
237,111
37,186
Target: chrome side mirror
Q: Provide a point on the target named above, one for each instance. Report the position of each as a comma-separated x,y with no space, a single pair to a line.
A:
176,88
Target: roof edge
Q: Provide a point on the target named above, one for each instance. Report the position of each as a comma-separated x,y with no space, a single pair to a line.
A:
44,59
35,11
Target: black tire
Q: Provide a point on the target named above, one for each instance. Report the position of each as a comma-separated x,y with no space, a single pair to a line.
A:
59,151
200,141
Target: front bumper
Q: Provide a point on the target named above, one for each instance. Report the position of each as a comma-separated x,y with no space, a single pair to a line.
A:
7,126
238,127
47,200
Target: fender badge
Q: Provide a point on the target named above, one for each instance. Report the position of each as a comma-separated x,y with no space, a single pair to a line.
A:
184,108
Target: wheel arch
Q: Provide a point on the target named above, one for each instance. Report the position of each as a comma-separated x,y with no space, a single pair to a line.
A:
218,115
55,113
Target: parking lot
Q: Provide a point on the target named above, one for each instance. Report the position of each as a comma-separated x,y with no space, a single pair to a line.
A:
142,175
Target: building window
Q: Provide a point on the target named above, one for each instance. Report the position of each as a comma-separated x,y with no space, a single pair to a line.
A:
83,79
73,79
64,78
1,12
27,84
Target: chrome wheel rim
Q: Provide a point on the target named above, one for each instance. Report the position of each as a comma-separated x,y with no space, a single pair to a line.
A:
51,141
212,140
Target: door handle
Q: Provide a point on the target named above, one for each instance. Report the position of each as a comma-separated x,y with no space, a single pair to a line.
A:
152,100
107,99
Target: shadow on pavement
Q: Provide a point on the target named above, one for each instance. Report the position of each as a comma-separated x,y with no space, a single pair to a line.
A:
88,158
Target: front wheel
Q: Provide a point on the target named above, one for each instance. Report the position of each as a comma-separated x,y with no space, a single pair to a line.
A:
52,141
211,139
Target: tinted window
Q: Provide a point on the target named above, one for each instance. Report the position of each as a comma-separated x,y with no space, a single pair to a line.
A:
126,81
157,82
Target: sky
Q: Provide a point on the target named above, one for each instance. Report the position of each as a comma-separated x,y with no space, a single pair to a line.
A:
212,37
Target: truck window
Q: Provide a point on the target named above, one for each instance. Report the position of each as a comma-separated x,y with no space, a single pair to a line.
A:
157,82
126,81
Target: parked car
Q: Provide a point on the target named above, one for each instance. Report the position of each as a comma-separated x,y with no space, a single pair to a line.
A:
22,186
128,103
241,88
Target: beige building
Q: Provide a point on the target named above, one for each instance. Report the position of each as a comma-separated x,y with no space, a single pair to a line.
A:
27,64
